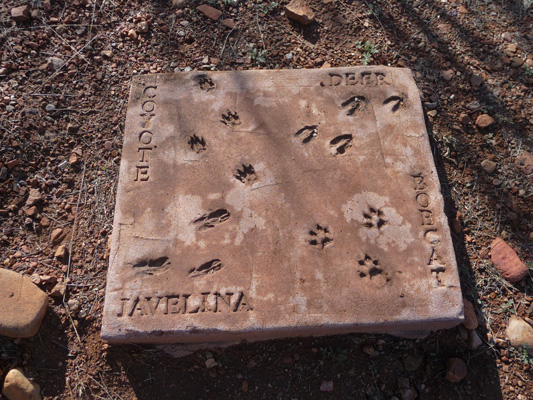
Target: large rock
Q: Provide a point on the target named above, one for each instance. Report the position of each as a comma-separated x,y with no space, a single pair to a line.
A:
18,387
520,333
299,11
22,305
507,261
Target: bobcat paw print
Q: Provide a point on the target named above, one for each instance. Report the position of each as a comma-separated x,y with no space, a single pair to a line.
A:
371,270
374,218
320,237
206,83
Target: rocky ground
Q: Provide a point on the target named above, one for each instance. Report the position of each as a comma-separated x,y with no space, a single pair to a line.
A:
65,70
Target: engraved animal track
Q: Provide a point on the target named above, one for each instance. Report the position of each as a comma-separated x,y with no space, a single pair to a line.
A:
353,104
341,143
374,218
396,101
197,143
246,175
320,237
212,219
369,268
207,268
206,83
308,133
151,265
231,118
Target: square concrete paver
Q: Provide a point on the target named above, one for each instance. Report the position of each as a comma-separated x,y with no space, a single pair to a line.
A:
267,204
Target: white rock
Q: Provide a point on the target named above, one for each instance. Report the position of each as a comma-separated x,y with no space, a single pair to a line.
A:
520,333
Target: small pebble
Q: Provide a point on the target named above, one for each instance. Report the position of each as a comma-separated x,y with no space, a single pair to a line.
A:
61,252
471,321
474,341
368,349
488,166
447,75
517,62
143,27
473,106
476,81
179,3
484,121
455,370
12,163
107,54
465,119
210,363
55,63
409,394
326,386
132,34
73,305
20,14
63,164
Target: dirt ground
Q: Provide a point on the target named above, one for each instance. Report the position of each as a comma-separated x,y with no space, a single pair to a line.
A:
64,80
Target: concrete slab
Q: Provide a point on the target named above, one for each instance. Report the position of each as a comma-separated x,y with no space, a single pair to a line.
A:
267,204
